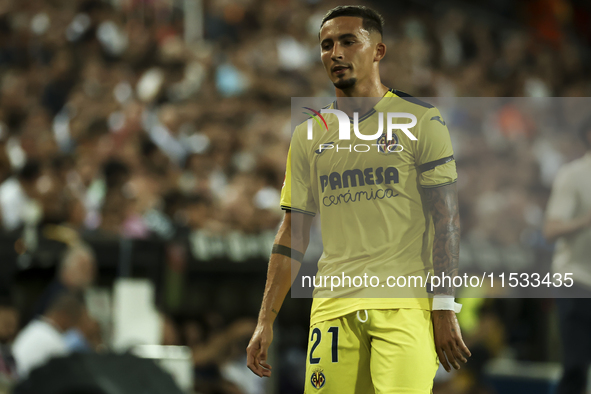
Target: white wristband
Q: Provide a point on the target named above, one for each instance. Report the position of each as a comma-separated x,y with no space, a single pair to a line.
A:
445,303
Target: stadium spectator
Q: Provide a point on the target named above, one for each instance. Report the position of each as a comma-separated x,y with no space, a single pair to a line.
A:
568,221
9,320
218,358
17,197
42,338
4,159
76,272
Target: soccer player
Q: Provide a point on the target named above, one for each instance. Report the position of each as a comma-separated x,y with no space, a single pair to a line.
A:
382,211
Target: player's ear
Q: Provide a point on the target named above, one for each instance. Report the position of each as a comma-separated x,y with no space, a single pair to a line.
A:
380,51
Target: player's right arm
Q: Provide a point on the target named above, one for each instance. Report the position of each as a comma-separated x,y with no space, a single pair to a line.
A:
288,251
290,245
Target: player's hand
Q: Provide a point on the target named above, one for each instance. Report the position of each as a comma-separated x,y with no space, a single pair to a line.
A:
256,352
448,339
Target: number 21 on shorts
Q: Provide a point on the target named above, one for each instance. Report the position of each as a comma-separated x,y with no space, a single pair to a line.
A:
317,337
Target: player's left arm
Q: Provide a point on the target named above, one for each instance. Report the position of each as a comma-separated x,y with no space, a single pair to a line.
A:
437,176
443,205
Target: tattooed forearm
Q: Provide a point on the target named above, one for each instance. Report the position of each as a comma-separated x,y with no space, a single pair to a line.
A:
443,205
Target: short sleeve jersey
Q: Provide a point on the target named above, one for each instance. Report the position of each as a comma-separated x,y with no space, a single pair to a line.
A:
369,194
570,199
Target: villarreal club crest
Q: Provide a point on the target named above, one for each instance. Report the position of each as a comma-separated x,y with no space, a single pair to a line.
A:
317,378
388,146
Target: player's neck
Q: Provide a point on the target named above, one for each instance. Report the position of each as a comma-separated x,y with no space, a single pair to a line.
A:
360,98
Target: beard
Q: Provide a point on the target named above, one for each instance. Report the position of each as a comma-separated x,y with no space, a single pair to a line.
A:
345,84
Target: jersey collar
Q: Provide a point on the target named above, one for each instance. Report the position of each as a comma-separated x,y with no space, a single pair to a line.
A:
381,103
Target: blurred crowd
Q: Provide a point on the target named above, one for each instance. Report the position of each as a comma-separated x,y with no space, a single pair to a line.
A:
62,324
115,119
139,119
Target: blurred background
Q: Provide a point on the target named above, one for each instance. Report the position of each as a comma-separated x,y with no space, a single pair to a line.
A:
143,146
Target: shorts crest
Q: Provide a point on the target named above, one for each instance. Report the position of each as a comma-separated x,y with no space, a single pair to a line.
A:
317,378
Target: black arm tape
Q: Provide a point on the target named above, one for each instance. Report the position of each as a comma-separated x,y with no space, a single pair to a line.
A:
432,164
287,251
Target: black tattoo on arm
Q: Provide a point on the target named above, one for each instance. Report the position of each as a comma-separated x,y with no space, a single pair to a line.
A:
274,311
287,251
443,204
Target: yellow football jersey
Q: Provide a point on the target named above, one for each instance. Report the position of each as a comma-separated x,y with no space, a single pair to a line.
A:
374,218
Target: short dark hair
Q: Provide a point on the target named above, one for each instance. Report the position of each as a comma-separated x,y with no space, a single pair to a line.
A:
30,171
98,127
68,303
115,172
372,20
585,131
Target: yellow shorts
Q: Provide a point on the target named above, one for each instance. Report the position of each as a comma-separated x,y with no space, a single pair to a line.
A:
388,351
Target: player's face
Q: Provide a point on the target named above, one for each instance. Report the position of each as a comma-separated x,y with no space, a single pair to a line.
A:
347,50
